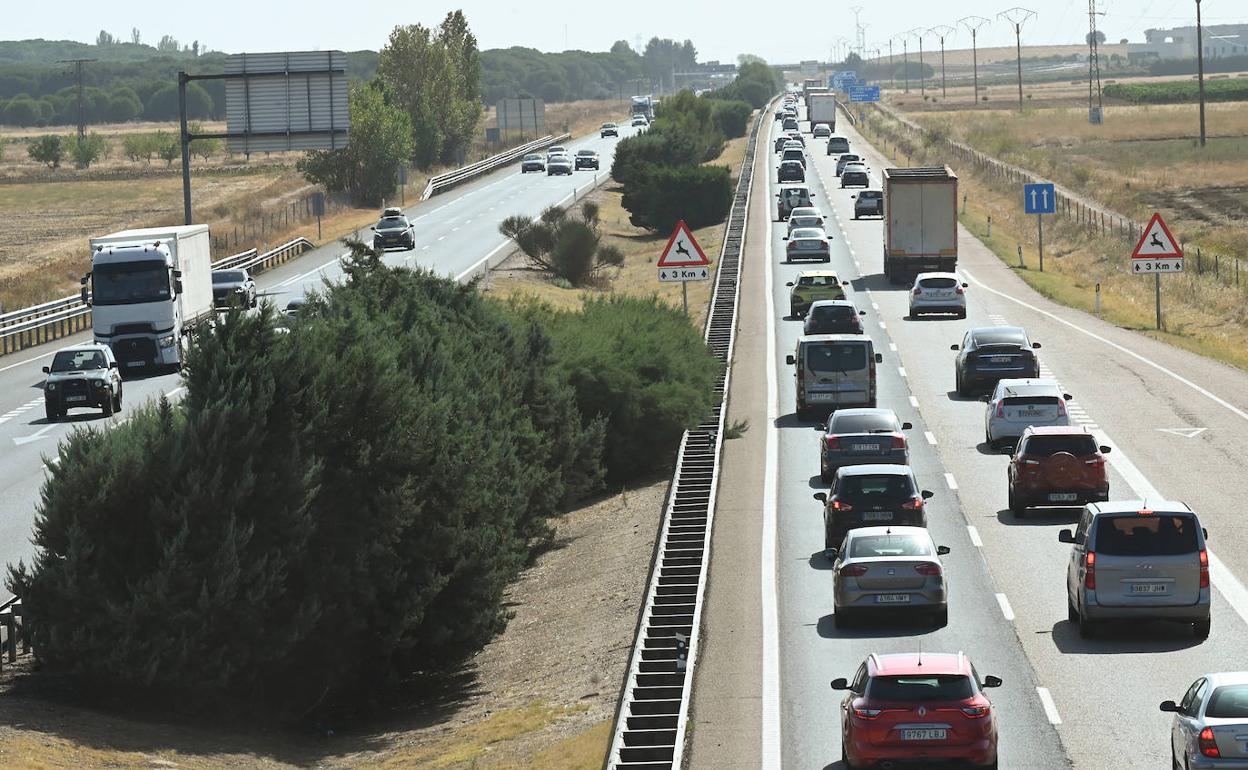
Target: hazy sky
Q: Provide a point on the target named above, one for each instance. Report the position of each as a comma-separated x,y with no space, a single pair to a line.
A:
719,30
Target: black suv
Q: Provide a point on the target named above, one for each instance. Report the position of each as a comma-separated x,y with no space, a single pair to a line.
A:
871,496
989,354
791,171
586,159
868,203
394,231
833,316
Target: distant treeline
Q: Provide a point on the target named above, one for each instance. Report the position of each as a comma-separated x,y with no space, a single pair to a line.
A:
572,75
1178,91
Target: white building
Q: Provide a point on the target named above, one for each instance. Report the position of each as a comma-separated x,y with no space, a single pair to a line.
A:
1219,40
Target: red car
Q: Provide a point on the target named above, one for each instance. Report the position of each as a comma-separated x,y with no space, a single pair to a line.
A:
1057,466
917,706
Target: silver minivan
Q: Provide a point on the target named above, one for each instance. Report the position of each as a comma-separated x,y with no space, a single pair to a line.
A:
833,371
1018,404
1138,560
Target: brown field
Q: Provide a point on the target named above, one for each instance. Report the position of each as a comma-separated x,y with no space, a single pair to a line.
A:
964,57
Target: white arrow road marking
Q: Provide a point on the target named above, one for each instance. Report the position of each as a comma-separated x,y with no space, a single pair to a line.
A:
1184,432
34,436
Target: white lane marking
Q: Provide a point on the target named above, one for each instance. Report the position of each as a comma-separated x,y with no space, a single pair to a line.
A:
453,229
1006,609
875,306
424,248
27,361
20,440
974,533
771,621
301,276
892,347
914,402
441,237
931,437
950,481
883,325
483,261
175,391
901,370
1050,708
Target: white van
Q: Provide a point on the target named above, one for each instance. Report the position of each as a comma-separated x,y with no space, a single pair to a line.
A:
833,371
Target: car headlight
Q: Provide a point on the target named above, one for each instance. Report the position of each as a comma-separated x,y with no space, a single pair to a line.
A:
51,386
99,383
167,341
240,290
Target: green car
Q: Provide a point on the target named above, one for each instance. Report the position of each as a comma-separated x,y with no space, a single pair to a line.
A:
813,285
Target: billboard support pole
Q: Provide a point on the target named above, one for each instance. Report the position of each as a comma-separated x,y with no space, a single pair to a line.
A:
186,150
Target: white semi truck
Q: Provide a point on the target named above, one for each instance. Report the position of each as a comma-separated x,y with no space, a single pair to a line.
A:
920,221
148,289
821,109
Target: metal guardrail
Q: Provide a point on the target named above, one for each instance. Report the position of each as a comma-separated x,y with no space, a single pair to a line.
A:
653,710
26,328
12,632
444,182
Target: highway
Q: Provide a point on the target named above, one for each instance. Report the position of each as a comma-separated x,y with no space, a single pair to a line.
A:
1176,423
455,234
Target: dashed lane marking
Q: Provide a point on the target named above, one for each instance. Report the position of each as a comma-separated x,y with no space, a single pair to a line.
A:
1006,609
951,482
931,437
1050,708
974,534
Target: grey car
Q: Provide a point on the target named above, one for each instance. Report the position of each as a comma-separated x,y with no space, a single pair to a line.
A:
1016,405
82,376
837,145
233,285
1137,560
1210,727
804,220
992,353
558,164
855,175
534,161
887,570
807,243
845,160
860,437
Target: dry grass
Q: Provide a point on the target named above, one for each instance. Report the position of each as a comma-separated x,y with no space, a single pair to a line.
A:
964,57
473,744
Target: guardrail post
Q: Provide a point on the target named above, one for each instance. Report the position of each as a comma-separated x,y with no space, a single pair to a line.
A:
10,643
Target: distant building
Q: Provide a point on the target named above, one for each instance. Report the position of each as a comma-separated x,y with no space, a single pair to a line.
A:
1219,40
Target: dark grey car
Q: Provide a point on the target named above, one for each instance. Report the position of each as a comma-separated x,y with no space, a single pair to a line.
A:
233,285
989,354
871,496
860,437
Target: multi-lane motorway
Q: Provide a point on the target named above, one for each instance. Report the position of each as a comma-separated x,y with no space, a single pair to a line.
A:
1177,425
456,234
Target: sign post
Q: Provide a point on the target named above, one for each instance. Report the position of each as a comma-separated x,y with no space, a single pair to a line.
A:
683,260
1156,252
1039,199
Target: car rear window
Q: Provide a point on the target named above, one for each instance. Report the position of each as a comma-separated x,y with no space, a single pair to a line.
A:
1030,400
817,280
867,546
884,485
803,233
833,313
1229,702
861,423
999,337
841,357
936,283
838,145
926,688
1044,446
1135,535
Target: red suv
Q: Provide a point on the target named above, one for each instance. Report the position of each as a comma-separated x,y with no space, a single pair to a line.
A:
917,706
1057,466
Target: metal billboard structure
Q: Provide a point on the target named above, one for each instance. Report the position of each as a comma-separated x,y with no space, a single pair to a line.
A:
521,114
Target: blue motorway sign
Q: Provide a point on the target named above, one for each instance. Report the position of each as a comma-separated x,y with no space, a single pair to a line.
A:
864,93
846,79
1039,199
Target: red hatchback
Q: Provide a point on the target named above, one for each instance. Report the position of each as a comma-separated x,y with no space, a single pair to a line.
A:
1057,466
916,707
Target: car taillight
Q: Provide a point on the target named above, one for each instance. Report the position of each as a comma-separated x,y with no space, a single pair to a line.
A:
975,712
865,713
853,570
1204,568
838,505
824,244
1061,407
913,504
1097,460
792,245
917,291
1089,570
1208,746
899,442
1031,462
959,290
929,569
831,442
1001,409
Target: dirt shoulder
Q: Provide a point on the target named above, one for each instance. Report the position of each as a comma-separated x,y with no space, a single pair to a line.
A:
542,694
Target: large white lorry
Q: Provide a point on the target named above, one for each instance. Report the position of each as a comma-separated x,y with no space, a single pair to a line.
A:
148,289
821,109
920,221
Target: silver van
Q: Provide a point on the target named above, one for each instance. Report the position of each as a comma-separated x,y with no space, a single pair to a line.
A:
833,371
1137,560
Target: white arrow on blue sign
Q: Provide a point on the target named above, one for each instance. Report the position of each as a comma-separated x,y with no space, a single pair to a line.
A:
1039,199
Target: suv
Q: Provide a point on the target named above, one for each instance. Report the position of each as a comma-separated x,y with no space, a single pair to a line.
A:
837,145
833,316
791,198
862,437
82,375
812,285
393,231
874,495
586,159
855,175
938,293
917,706
1018,404
789,123
1057,466
990,353
793,153
821,131
608,129
558,164
845,160
791,171
868,203
1138,560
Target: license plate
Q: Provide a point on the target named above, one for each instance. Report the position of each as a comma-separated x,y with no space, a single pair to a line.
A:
892,598
924,735
1149,588
877,516
135,363
863,448
820,396
1063,497
1028,412
75,398
998,359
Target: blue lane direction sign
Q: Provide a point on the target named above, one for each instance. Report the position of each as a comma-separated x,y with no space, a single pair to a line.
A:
1039,199
864,93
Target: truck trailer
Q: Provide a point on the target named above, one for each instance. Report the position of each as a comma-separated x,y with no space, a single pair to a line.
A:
148,289
821,108
920,221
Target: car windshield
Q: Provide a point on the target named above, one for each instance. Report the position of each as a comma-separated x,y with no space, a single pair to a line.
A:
817,280
392,223
123,283
937,283
920,689
838,144
868,546
861,423
585,152
1044,446
870,195
532,156
608,125
999,337
78,360
1228,702
847,159
807,233
1135,535
839,357
228,276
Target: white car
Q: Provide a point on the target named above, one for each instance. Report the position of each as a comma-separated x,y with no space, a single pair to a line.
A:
639,121
938,293
557,149
1016,405
812,220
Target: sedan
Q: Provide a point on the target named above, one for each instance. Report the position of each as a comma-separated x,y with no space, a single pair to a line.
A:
233,285
871,496
855,175
990,353
1210,723
845,160
558,164
534,161
886,570
821,131
586,159
808,243
804,220
833,316
861,437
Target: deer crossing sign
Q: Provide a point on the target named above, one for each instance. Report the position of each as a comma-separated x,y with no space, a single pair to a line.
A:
683,259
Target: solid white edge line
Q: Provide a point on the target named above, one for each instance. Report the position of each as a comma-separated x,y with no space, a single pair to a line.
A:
301,276
931,437
892,347
901,369
950,481
1050,708
914,402
770,738
974,535
27,361
483,261
1006,610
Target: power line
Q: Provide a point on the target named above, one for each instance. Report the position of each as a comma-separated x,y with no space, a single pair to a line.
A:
82,109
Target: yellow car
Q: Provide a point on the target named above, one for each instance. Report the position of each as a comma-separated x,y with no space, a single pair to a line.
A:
813,285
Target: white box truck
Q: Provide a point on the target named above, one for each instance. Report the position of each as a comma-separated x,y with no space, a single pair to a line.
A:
920,221
148,289
821,108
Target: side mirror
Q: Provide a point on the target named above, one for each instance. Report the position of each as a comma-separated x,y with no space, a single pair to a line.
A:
790,283
966,286
1036,345
112,364
83,295
879,358
784,238
1008,451
843,283
47,370
855,195
821,496
790,360
177,274
862,312
840,683
985,398
926,494
906,426
177,286
812,196
1066,536
1204,533
1169,706
991,681
942,550
955,347
1066,397
1104,450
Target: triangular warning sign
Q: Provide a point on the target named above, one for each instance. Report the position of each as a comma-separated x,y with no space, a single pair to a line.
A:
1156,242
682,250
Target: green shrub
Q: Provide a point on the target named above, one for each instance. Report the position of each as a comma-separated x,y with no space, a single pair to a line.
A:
1178,91
732,118
91,148
48,149
568,248
661,196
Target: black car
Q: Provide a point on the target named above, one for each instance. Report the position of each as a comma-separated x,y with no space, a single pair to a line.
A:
791,171
394,231
837,145
871,496
586,159
855,175
233,285
992,353
868,203
833,316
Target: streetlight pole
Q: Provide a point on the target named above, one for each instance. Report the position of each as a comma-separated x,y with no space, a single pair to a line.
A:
973,23
1018,17
1200,73
942,31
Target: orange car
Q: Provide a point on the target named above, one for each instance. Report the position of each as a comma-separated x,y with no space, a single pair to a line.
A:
1058,466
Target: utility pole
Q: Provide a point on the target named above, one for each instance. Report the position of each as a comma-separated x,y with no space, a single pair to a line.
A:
973,23
82,106
919,32
857,11
905,60
1200,80
942,31
1094,65
892,71
1018,17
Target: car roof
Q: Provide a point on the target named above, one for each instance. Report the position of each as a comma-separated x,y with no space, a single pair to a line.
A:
873,193
1134,506
838,303
787,187
910,663
1221,678
921,276
888,529
1057,430
1028,387
873,469
866,411
806,211
817,274
978,330
809,232
586,152
93,347
791,163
